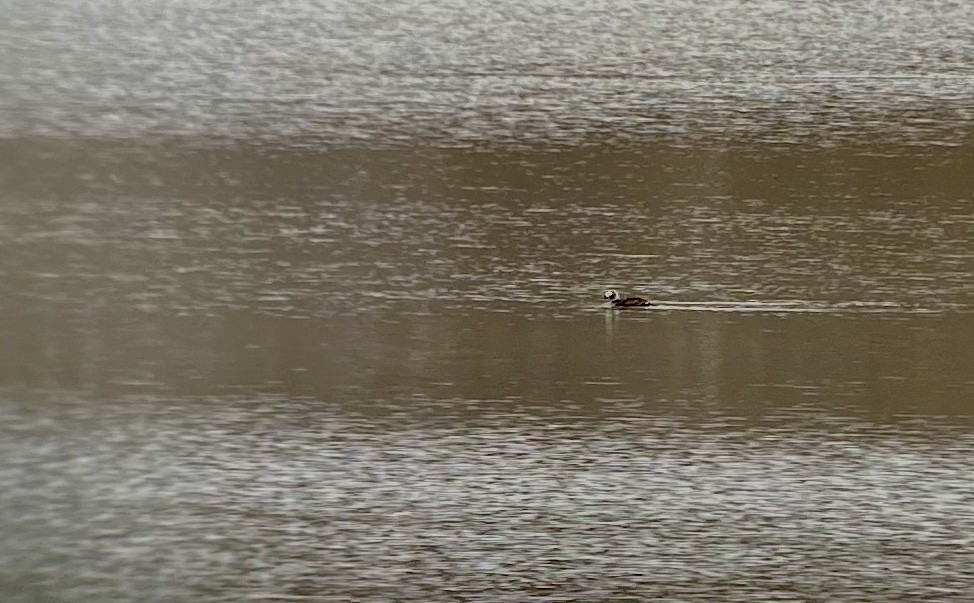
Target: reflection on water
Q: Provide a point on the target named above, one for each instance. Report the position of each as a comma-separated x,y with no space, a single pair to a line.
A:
301,300
885,364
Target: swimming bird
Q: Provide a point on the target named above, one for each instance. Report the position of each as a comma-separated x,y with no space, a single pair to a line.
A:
625,302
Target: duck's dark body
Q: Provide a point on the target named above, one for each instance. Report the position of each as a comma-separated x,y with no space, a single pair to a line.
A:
631,302
625,302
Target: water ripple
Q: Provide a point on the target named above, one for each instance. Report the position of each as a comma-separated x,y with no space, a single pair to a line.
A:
291,499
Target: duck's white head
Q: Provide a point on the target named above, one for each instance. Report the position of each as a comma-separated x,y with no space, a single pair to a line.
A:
610,295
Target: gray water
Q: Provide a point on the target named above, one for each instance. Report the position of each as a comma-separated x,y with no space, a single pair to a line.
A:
481,72
302,301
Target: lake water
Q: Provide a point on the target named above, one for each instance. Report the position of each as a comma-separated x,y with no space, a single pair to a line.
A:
302,301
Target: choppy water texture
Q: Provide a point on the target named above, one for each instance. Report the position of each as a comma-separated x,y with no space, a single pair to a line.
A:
301,301
467,72
482,501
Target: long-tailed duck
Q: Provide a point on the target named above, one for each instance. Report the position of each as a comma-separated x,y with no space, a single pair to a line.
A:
625,302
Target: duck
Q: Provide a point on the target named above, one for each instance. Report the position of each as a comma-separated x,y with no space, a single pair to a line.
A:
618,301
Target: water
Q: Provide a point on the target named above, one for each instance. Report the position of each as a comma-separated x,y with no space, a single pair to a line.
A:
324,232
302,301
482,72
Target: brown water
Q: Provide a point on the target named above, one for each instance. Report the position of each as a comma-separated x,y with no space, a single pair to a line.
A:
302,301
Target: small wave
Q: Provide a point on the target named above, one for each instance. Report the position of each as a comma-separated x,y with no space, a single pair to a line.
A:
790,307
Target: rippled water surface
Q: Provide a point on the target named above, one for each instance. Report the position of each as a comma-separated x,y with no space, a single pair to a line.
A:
314,233
468,72
302,301
481,500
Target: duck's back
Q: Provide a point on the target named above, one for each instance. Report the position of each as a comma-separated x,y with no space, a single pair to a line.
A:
631,302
